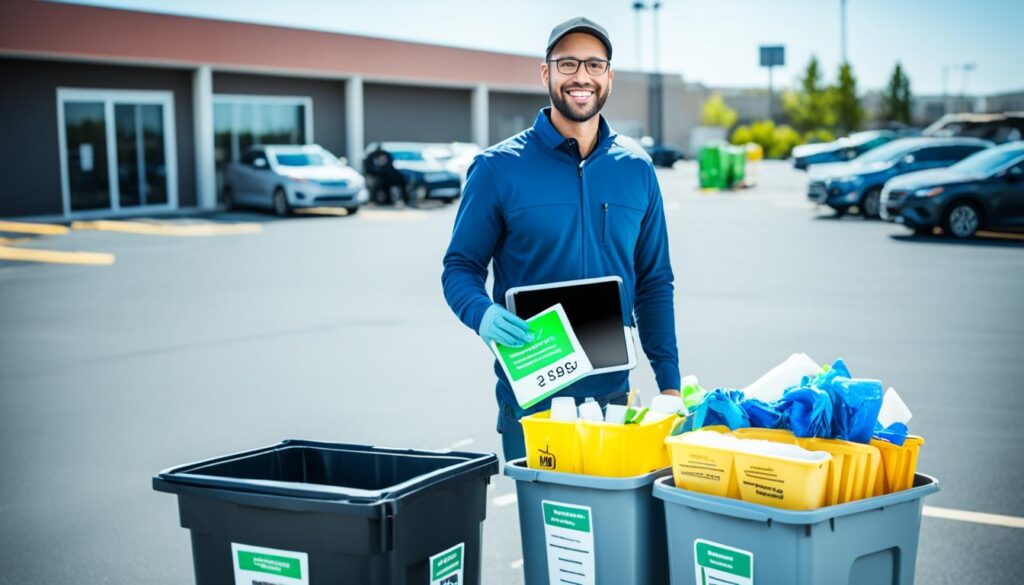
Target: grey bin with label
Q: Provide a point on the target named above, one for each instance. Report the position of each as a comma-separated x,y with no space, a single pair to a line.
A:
329,513
627,526
866,542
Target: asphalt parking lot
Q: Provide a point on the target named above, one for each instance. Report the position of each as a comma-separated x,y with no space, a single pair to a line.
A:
334,328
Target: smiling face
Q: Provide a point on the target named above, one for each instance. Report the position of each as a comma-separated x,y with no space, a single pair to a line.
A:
577,97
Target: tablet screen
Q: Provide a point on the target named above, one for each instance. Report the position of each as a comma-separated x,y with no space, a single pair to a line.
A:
595,312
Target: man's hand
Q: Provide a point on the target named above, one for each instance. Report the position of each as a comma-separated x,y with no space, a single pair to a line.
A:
671,392
500,325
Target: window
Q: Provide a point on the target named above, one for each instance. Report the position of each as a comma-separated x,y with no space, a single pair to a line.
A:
243,121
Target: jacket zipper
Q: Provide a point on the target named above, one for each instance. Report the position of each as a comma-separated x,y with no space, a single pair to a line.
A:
604,224
583,219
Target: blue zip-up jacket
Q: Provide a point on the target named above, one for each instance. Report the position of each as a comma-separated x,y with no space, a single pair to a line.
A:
541,213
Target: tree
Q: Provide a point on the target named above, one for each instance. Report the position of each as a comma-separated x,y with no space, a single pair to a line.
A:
897,98
849,114
716,113
810,108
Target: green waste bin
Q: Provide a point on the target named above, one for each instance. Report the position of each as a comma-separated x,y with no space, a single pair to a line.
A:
710,161
735,158
308,513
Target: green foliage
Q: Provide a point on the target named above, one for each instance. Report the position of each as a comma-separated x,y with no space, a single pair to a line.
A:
717,113
742,135
849,114
819,135
811,107
897,99
777,141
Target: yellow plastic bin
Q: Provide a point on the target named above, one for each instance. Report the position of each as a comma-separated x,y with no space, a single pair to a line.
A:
781,482
899,464
618,450
551,445
854,468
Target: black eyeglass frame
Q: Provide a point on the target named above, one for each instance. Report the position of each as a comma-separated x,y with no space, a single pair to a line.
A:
607,63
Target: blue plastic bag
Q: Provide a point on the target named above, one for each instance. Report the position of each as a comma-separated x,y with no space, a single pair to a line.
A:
856,403
896,433
719,407
762,414
807,411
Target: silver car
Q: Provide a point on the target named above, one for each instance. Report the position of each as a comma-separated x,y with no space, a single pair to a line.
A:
282,178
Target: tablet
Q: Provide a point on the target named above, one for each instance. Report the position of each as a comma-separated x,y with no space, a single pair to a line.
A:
594,309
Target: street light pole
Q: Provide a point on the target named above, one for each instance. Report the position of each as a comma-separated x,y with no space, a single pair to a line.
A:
637,8
842,31
657,37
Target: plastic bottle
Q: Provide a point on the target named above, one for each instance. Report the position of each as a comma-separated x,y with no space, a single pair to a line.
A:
591,410
564,409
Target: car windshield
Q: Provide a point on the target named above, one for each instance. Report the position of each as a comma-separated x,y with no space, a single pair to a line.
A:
303,159
886,153
988,161
406,155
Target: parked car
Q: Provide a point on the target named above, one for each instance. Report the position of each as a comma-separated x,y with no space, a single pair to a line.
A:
859,182
426,175
985,190
282,178
663,155
456,156
999,128
844,149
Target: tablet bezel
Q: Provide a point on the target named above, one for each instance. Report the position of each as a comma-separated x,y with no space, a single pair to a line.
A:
627,331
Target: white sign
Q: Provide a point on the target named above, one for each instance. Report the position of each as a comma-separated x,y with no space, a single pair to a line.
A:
552,361
718,564
569,539
267,566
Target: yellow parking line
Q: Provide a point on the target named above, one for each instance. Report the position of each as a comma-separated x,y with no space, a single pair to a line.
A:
1001,235
56,257
165,229
339,211
41,229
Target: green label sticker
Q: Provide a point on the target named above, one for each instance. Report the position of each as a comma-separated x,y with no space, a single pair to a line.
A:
573,518
718,564
255,564
446,566
552,361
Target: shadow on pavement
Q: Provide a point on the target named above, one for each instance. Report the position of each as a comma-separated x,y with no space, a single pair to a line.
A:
987,240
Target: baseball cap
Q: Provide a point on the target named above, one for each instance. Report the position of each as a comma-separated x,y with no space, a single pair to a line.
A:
583,25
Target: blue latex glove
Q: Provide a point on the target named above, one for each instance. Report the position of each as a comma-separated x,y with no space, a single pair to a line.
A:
500,325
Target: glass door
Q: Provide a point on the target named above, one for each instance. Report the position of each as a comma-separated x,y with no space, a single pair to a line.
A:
117,151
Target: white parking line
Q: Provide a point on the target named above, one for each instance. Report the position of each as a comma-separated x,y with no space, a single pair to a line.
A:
516,564
977,517
462,443
504,500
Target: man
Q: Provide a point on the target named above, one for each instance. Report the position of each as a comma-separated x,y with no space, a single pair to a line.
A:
380,165
564,200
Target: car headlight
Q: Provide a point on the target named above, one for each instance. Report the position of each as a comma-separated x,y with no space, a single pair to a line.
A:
436,177
928,192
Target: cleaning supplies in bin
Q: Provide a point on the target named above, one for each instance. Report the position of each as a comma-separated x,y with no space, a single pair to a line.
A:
626,440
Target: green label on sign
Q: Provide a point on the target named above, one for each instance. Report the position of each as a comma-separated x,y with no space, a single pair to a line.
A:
717,563
447,563
563,517
551,344
274,565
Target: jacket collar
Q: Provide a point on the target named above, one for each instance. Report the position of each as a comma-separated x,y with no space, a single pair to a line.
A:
551,138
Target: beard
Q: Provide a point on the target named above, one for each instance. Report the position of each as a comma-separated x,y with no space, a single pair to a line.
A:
572,111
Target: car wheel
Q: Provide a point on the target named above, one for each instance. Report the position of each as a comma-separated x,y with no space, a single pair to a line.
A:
228,198
962,220
840,211
871,204
351,210
281,206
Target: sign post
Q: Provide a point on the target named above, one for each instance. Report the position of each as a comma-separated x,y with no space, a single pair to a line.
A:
772,56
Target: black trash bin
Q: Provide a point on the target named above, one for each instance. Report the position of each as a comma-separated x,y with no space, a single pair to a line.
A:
309,513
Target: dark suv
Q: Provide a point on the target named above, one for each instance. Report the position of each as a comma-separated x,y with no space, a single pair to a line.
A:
859,182
985,190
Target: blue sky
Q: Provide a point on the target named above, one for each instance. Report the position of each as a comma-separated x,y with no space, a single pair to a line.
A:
711,41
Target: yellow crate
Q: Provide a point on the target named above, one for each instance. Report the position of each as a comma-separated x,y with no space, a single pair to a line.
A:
551,445
618,450
773,435
899,464
854,468
703,469
781,482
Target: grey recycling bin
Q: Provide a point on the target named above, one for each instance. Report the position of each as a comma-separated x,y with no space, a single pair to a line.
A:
587,529
714,540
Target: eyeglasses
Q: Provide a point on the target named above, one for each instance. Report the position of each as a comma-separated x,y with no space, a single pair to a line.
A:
570,66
